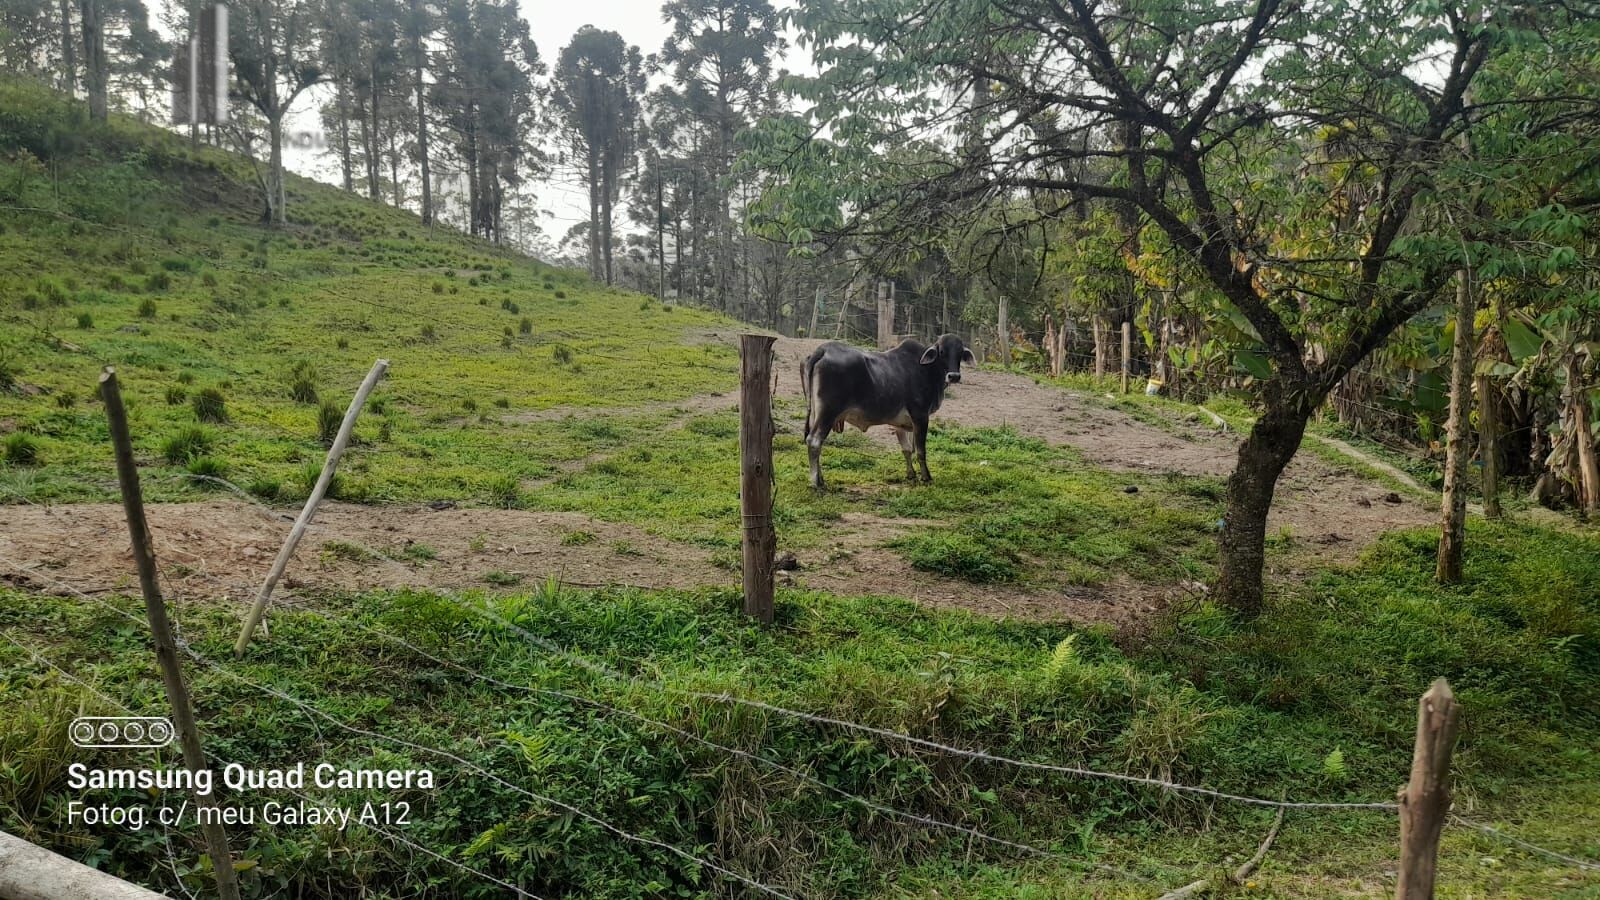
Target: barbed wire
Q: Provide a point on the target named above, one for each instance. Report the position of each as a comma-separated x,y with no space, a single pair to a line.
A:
167,829
706,742
596,820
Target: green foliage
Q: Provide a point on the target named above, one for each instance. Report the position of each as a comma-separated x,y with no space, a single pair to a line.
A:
210,405
21,449
329,418
188,444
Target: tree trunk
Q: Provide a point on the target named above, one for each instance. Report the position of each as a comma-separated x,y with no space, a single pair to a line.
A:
1262,457
1102,345
276,215
418,62
95,71
346,166
661,240
1489,444
1452,527
885,316
594,213
1588,480
69,51
374,162
1002,327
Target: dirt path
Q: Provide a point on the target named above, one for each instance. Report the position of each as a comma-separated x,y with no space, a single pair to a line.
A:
1331,512
221,548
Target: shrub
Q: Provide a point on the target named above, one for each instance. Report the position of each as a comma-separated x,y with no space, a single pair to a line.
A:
186,378
21,449
561,295
209,279
85,321
525,326
514,309
428,333
190,443
438,287
303,382
959,555
329,418
158,281
210,406
265,488
177,264
504,492
548,286
562,354
469,404
176,395
502,402
342,343
206,467
66,400
147,309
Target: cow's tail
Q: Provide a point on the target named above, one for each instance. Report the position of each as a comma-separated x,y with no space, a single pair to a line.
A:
806,366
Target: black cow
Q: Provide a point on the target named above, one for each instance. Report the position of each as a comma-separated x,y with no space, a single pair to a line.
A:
900,388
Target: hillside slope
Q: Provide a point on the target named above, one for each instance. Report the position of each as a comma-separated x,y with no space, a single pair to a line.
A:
426,622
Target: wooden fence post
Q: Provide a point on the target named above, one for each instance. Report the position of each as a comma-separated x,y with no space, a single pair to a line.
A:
342,440
1127,351
1425,800
755,473
155,609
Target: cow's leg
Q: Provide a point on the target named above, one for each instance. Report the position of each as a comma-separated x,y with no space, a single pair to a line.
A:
922,448
821,424
908,446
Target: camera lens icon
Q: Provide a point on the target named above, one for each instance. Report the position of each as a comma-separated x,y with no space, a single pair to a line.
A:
120,732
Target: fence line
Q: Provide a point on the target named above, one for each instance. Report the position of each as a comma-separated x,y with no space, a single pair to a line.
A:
466,763
601,669
167,829
732,751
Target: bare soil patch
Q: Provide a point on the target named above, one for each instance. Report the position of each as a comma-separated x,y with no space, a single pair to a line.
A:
221,548
1330,512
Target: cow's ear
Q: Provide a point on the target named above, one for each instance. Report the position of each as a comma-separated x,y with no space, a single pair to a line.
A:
967,357
929,355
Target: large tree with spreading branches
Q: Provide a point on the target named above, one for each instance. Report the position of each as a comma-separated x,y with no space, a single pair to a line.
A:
1291,154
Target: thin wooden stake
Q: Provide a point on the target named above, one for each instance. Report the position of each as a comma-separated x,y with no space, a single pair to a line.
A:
1127,351
155,609
342,440
1425,800
755,473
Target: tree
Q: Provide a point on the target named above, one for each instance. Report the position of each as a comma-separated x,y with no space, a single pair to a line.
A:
598,85
272,44
1209,116
720,55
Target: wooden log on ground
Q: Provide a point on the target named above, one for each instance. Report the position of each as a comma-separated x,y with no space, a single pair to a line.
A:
30,872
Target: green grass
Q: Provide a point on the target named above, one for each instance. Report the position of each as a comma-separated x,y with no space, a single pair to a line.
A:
1003,507
247,306
1316,701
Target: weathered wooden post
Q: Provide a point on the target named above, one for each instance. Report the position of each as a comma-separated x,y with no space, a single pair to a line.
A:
342,440
1127,351
161,631
755,473
1425,800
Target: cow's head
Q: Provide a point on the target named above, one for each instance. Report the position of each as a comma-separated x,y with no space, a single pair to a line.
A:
949,352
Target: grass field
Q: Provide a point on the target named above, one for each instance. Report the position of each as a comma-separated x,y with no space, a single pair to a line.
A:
126,247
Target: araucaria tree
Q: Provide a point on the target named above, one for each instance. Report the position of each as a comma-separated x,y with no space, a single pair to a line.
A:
599,83
1213,120
720,58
